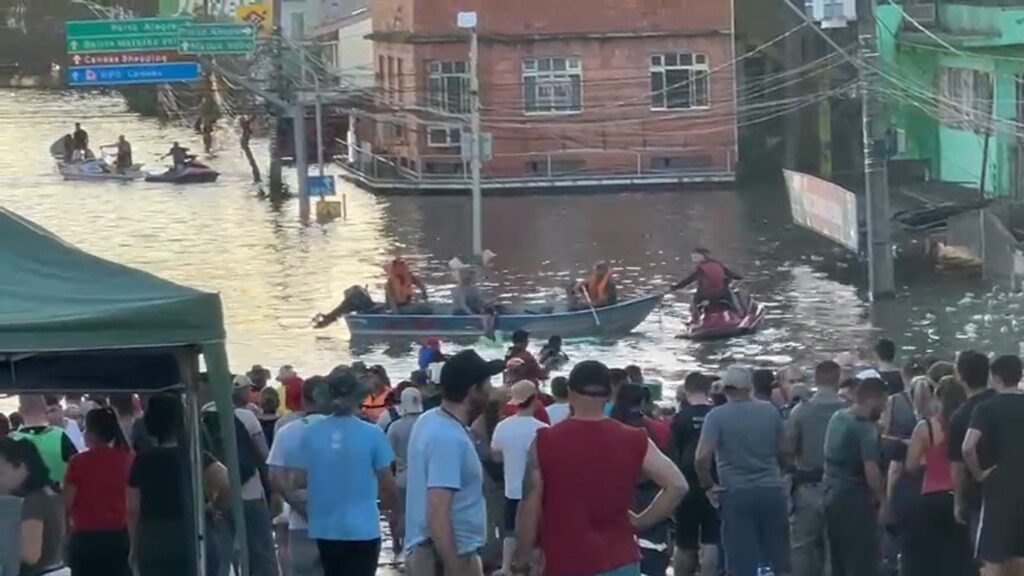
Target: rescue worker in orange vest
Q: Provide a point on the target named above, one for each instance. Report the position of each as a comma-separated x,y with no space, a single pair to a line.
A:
600,286
400,284
712,278
376,401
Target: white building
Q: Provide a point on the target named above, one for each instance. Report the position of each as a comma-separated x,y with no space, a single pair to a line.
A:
340,27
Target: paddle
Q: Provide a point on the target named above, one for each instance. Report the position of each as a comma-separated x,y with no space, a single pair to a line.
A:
590,303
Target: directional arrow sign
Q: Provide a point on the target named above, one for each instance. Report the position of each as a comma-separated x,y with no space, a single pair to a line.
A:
133,74
92,28
217,39
123,43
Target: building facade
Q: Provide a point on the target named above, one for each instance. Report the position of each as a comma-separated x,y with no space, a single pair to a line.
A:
634,89
957,90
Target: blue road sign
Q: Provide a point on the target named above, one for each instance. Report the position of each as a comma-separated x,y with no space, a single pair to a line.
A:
133,74
320,185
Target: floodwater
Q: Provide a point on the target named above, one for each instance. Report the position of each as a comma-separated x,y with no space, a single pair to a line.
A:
275,273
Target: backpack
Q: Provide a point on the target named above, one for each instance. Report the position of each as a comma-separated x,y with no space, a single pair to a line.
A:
214,440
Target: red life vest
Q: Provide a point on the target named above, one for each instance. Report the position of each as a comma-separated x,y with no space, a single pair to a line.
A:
711,278
585,528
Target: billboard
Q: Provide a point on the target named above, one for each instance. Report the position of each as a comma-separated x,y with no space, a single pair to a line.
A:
823,207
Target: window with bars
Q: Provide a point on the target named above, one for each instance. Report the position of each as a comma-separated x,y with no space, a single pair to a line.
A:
680,81
448,86
965,98
552,85
444,136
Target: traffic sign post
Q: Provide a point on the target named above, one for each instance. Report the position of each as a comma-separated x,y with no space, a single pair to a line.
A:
148,50
320,185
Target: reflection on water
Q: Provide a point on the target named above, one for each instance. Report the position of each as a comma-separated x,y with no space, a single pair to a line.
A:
274,274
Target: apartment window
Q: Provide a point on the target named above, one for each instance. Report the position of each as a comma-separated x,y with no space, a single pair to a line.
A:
679,81
448,86
298,26
966,98
834,9
400,81
380,71
391,77
444,136
552,85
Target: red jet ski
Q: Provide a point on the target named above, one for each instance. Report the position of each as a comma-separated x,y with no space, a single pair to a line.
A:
722,320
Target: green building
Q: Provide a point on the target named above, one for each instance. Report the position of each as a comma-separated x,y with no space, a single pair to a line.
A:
954,85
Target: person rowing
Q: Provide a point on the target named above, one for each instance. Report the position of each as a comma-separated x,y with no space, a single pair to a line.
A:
712,278
400,284
600,286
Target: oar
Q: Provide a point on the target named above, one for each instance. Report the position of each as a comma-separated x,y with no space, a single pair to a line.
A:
590,303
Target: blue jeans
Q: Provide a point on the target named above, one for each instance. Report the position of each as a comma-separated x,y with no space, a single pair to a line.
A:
755,529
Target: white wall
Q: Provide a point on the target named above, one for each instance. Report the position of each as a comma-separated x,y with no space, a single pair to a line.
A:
354,53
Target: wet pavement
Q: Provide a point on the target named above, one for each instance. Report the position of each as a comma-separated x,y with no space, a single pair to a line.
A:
274,273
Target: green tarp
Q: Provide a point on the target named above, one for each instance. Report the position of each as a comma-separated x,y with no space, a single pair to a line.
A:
55,297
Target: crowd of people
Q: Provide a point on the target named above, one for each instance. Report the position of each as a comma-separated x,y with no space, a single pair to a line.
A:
851,469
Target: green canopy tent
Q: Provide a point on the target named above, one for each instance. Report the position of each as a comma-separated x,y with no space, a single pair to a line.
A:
73,322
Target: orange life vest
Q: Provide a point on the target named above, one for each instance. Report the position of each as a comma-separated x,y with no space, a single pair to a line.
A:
597,288
400,282
375,404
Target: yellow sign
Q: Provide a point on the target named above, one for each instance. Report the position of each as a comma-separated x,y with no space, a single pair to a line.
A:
328,210
259,15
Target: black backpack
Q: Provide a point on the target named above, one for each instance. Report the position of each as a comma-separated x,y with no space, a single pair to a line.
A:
214,440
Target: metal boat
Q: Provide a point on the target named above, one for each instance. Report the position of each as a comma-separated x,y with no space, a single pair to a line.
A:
615,320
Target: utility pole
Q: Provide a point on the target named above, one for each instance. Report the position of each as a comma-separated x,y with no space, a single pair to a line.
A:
319,124
301,157
275,176
469,20
881,282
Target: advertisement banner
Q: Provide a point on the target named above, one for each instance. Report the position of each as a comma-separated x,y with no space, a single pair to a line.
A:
824,207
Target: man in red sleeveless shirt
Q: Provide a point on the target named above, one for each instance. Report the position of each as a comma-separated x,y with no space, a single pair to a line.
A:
579,485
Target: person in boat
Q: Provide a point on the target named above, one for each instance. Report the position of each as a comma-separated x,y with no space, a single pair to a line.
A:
67,147
123,163
600,286
400,284
81,138
179,156
712,278
467,297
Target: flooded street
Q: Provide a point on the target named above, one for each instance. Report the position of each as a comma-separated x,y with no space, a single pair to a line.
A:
274,273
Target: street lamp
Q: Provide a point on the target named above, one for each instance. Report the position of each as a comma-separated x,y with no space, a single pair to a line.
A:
468,21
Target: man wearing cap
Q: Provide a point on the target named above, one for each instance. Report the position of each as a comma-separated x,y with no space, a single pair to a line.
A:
376,401
746,438
347,465
579,485
510,444
410,406
284,461
531,369
445,522
258,377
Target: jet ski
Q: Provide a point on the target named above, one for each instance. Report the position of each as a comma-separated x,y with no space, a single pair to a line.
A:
98,169
193,172
719,320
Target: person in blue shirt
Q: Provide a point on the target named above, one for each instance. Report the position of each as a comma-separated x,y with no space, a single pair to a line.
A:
347,464
445,513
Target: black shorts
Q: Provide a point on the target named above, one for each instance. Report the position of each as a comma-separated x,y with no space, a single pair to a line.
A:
696,522
511,509
1001,528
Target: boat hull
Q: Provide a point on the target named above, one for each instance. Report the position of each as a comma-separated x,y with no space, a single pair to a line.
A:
614,320
721,325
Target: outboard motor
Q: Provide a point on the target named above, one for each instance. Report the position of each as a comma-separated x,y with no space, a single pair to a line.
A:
357,299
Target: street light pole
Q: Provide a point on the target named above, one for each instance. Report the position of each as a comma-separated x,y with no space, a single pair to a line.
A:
469,20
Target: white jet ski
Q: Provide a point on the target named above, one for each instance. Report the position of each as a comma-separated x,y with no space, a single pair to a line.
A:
99,169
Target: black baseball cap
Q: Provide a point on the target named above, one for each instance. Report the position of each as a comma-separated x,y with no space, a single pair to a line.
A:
467,369
520,336
591,378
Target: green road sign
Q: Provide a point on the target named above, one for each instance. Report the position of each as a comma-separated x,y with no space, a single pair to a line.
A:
89,28
217,39
126,43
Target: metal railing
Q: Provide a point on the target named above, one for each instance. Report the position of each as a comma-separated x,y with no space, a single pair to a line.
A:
561,165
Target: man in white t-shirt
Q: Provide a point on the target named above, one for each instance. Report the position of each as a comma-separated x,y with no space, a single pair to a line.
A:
560,410
285,461
511,444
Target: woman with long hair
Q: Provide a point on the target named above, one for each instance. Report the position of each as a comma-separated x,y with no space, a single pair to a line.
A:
655,543
94,494
936,544
23,474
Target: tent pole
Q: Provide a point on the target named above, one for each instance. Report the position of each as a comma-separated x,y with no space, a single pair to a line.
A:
189,369
220,383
